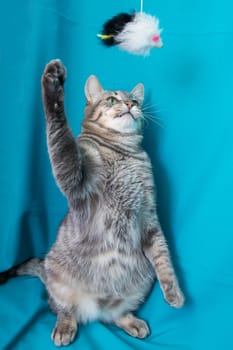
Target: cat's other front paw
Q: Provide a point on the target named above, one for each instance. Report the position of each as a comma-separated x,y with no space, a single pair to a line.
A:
53,80
64,333
174,297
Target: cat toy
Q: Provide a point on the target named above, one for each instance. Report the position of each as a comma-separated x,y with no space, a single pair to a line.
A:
136,33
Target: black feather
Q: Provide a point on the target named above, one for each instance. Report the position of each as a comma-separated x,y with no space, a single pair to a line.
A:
114,26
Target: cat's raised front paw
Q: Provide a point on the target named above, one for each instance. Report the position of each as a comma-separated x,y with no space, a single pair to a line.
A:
53,77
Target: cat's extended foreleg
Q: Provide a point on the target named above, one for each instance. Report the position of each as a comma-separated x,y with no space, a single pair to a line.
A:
65,155
156,250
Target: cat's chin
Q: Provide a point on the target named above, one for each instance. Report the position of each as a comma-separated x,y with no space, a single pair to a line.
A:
125,123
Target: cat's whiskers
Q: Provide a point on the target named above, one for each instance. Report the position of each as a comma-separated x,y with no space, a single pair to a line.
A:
152,116
153,119
148,103
145,122
154,108
150,113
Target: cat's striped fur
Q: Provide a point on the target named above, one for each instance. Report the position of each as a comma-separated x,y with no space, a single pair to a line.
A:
110,246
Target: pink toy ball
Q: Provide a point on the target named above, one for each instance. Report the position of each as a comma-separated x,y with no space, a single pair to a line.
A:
136,33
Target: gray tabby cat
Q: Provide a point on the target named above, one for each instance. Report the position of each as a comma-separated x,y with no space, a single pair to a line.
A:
110,245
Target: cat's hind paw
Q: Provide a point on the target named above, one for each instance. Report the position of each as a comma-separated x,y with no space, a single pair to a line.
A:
135,327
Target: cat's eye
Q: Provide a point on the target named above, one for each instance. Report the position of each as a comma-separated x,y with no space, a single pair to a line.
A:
135,103
112,100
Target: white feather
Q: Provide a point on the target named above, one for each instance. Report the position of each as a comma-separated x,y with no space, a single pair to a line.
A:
137,36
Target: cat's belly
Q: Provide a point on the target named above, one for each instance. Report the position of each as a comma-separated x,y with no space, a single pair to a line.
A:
109,289
90,306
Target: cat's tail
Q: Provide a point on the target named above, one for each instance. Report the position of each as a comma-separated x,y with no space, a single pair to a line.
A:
32,267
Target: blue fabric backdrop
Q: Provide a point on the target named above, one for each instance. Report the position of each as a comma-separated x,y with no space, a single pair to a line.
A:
189,84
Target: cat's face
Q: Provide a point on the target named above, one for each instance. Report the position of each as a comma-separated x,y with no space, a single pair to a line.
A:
117,110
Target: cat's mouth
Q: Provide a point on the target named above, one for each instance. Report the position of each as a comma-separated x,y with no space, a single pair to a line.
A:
126,113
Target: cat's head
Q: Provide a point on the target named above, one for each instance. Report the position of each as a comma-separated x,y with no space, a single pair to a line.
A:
116,110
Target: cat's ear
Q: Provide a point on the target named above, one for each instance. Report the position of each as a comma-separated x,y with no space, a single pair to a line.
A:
138,93
93,89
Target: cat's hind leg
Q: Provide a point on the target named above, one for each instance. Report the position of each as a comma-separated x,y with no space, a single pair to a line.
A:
133,326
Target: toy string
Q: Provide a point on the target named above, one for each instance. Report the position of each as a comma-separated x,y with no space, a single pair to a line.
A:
141,8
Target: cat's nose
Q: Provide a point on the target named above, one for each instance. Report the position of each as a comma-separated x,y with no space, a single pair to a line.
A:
129,104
